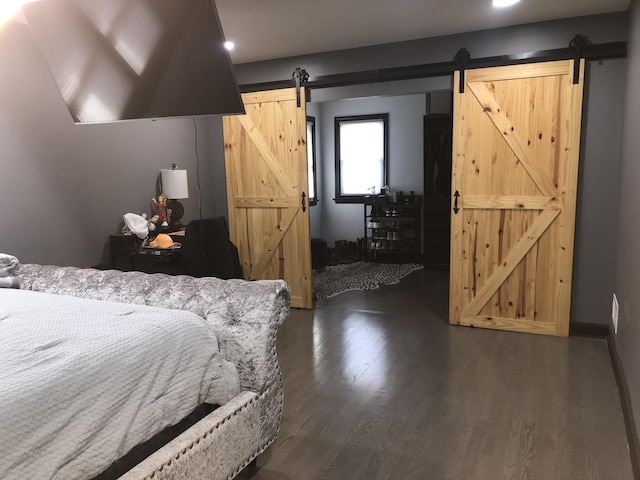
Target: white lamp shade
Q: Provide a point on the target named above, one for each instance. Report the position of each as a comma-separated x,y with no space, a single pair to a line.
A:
174,183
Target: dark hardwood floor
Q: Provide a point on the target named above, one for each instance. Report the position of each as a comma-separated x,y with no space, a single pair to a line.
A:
379,386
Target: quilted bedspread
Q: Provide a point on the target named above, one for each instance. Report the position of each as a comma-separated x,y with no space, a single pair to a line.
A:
74,369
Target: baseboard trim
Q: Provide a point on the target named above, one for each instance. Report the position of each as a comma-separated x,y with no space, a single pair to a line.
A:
583,329
627,411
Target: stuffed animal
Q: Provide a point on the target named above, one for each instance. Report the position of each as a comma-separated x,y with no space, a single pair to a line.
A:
161,209
139,225
135,224
153,222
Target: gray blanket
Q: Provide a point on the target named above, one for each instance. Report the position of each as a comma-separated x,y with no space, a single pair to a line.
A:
9,267
83,381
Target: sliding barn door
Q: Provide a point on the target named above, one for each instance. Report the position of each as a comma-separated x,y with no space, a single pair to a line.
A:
515,151
266,169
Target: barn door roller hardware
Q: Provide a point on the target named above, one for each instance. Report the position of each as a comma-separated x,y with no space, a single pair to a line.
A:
578,45
462,59
300,76
579,49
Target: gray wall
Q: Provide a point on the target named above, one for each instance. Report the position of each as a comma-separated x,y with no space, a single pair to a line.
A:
601,155
65,187
598,185
627,276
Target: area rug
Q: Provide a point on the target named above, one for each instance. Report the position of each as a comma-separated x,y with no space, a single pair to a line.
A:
336,279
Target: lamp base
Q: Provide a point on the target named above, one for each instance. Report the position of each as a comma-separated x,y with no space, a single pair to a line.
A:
177,211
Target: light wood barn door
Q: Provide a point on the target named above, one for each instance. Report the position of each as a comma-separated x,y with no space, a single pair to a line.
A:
266,170
515,151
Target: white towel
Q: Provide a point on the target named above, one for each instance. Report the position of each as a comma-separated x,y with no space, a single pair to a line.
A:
9,266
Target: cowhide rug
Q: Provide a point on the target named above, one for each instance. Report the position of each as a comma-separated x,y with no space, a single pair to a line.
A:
336,279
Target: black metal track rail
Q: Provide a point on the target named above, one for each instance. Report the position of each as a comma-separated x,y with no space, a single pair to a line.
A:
579,48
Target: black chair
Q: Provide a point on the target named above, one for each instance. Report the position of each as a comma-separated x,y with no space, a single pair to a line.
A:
207,250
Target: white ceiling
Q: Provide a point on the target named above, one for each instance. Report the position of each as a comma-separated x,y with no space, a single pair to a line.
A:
268,29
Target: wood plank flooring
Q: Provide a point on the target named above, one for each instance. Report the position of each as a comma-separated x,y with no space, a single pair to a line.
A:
379,386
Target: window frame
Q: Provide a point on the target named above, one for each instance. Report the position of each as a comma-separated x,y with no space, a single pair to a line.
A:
359,198
312,120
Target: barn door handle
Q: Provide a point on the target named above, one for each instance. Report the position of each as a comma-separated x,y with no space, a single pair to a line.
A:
304,204
455,202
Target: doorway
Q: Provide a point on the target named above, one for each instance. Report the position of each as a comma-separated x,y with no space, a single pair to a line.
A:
347,222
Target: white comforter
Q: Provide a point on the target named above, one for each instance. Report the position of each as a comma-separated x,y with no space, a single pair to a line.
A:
83,381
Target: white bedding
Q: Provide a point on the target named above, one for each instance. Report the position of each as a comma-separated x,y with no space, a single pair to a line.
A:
83,381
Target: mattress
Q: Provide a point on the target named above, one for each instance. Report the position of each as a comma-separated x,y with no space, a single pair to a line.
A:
83,381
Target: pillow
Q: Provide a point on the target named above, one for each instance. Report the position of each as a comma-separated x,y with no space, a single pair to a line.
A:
9,267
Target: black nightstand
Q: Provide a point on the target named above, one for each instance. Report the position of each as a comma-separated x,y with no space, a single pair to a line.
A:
127,254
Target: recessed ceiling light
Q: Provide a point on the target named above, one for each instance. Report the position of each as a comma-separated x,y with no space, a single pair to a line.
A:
229,45
504,3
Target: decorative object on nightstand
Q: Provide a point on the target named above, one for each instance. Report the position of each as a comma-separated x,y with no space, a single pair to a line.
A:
163,241
161,210
128,252
174,186
135,225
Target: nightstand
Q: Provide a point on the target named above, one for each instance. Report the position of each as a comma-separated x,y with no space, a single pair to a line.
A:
127,254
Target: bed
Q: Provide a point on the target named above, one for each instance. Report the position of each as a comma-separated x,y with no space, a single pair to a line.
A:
95,363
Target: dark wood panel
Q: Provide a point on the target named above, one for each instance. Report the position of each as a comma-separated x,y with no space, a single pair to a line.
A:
437,188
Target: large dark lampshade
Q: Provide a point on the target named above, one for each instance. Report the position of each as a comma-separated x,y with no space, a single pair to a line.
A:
129,59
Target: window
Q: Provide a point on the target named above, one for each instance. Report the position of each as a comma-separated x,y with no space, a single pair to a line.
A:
361,156
311,160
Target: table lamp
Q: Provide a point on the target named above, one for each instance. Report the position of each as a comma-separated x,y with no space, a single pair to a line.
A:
175,186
